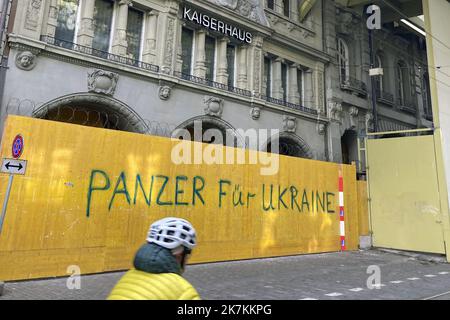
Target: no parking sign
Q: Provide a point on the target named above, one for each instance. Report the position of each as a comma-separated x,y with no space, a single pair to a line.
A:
17,146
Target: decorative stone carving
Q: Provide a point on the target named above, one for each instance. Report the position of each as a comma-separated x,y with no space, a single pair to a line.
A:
353,111
164,92
335,110
321,129
170,35
100,81
289,123
250,9
32,15
213,106
255,112
25,60
345,22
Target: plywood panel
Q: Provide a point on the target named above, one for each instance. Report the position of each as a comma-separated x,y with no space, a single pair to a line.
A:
81,202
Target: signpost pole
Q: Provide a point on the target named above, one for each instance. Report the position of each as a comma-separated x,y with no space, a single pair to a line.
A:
5,202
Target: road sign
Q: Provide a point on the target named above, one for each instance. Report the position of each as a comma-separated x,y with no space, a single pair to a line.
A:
17,146
14,166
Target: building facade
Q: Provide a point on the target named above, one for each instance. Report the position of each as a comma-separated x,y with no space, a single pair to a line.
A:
152,66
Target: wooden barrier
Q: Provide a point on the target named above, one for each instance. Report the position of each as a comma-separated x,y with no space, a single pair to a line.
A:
89,195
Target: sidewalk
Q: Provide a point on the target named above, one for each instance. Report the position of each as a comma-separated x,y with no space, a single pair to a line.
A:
322,277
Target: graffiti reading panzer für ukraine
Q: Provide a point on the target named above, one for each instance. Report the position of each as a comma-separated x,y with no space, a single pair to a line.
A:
180,190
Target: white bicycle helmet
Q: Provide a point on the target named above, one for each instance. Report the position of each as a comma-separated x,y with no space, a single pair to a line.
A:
171,233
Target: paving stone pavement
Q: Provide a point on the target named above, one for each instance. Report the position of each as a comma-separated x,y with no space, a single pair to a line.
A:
333,276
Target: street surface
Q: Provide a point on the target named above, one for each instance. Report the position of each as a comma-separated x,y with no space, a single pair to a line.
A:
333,276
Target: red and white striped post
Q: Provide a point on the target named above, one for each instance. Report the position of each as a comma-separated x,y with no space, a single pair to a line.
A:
341,209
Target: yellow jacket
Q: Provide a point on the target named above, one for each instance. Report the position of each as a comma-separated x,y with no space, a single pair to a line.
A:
139,285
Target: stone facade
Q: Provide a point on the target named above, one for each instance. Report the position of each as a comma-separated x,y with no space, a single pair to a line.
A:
311,104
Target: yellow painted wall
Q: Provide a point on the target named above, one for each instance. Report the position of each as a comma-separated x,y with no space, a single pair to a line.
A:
363,209
403,184
47,228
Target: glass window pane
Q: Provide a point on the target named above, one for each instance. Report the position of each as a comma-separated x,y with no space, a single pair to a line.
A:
103,13
300,85
271,4
286,8
284,80
210,46
231,54
267,74
66,22
134,32
187,37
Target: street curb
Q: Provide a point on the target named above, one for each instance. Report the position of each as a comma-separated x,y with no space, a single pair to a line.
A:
418,256
2,287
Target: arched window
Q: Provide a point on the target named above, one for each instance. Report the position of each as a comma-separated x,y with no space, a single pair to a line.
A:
92,110
289,144
343,60
401,73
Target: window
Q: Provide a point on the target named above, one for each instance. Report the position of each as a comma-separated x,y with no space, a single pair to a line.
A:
343,60
102,23
284,80
300,86
379,79
286,8
267,76
271,4
426,94
187,39
66,22
210,53
231,55
134,33
401,67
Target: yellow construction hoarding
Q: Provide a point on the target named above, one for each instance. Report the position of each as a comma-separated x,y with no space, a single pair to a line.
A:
88,196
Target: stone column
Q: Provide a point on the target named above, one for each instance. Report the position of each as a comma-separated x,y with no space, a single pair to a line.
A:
86,32
277,85
254,66
149,53
295,14
199,56
309,88
318,92
293,94
52,18
242,67
222,62
120,44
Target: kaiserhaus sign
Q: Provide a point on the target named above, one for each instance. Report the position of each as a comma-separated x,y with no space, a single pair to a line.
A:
214,24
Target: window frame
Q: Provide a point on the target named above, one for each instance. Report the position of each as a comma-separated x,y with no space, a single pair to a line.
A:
343,57
234,64
142,36
401,82
77,21
379,79
214,65
192,62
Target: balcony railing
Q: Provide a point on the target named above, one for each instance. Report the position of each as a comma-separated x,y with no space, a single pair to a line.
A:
289,104
213,84
355,85
99,53
241,92
385,97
